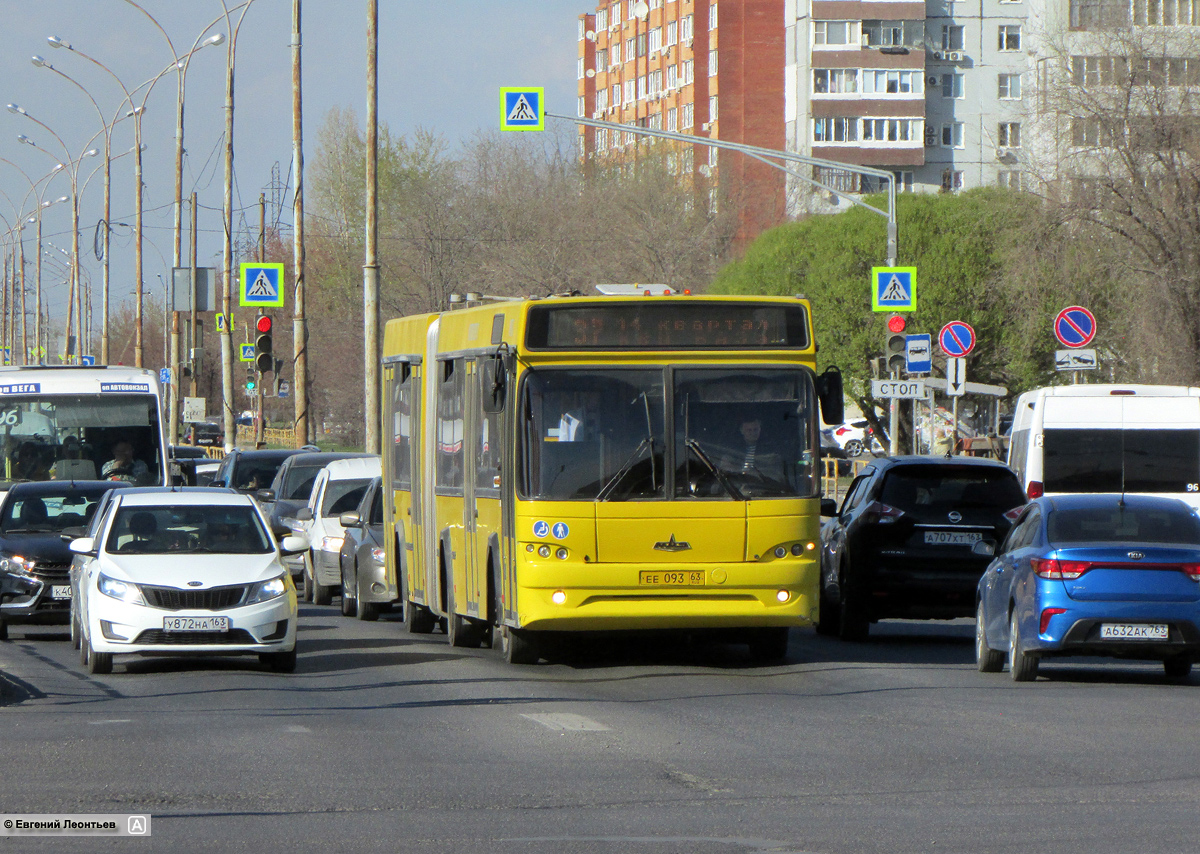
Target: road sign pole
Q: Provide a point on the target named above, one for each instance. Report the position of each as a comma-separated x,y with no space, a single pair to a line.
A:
954,417
893,422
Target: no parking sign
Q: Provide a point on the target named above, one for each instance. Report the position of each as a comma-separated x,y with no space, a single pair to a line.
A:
1075,326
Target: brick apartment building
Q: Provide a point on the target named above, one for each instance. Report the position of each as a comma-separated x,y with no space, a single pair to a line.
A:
712,68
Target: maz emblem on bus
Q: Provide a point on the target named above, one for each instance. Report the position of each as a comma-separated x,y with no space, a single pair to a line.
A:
672,545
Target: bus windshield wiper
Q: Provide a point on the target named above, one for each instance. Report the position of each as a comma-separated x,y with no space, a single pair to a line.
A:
695,448
611,484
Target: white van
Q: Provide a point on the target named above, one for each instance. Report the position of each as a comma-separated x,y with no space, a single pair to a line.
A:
338,489
1108,438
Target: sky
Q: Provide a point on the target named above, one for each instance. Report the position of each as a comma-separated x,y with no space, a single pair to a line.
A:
440,68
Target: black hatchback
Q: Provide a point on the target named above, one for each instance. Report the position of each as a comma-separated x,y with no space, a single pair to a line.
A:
901,544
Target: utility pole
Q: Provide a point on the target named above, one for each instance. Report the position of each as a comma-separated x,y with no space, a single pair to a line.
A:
299,326
192,360
371,409
260,386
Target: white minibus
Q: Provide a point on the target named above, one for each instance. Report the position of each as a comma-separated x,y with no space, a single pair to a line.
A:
1108,438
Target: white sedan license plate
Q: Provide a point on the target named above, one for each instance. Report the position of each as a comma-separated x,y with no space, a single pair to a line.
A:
195,624
1127,631
60,591
951,538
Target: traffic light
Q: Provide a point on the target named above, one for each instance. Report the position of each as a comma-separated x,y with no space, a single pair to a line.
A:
263,360
895,344
250,379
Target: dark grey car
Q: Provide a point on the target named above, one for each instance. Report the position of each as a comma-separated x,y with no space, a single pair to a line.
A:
364,585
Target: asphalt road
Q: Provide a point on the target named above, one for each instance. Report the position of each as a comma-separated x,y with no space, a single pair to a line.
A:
382,741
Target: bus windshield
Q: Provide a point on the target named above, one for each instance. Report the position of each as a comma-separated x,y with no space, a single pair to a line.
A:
82,437
1095,460
602,434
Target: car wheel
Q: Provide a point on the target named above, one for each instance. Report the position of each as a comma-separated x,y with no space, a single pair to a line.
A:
98,662
322,594
854,624
282,662
368,612
987,659
1022,666
1177,668
517,647
418,620
460,630
854,448
83,648
74,630
829,617
349,603
768,645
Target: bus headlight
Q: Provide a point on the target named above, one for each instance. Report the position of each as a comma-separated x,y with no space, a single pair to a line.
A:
543,551
561,553
558,597
783,595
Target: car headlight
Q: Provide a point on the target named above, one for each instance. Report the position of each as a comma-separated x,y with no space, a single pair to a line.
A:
264,591
331,544
378,556
17,565
126,591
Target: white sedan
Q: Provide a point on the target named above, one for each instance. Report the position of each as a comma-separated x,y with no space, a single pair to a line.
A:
183,571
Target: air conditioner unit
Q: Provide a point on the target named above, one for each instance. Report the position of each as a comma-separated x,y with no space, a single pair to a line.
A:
954,56
938,56
866,40
687,42
932,80
704,126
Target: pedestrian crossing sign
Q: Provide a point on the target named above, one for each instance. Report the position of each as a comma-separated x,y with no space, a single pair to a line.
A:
893,288
246,353
522,108
261,285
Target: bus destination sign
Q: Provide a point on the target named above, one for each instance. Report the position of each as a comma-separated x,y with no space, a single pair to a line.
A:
667,325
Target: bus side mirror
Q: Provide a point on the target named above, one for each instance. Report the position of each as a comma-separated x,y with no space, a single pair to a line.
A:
830,395
495,384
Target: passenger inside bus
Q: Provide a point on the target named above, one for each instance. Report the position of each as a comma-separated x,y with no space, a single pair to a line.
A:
124,466
30,464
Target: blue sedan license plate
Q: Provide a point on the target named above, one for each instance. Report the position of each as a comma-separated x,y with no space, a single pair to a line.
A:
195,624
1127,631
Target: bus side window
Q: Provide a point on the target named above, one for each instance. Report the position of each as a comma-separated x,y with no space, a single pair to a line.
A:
449,469
401,403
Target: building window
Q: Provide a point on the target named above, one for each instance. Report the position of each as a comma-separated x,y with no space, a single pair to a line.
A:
579,69
630,91
580,30
1165,13
892,33
631,10
835,81
628,49
656,40
686,114
1009,179
952,37
688,71
1010,37
655,4
1090,133
712,63
952,85
890,130
835,130
601,139
672,76
835,33
952,135
654,121
672,119
580,106
871,184
685,28
712,16
601,60
712,156
615,50
952,181
601,100
1009,87
672,33
641,44
602,19
616,95
1009,135
712,108
641,87
880,82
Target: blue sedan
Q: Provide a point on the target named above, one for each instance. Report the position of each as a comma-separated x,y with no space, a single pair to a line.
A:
1088,574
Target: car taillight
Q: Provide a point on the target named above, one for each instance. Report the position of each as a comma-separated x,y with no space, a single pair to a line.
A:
1035,490
839,431
1012,515
1191,570
882,514
1061,570
1046,615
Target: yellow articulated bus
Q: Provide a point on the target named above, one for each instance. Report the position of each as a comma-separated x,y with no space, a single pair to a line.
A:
619,462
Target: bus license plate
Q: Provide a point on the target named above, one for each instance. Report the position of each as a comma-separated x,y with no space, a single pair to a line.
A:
672,578
1126,631
195,624
60,591
950,538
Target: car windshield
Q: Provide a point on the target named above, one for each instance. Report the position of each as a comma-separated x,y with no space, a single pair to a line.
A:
343,496
298,482
602,434
163,529
1124,524
942,488
49,513
255,474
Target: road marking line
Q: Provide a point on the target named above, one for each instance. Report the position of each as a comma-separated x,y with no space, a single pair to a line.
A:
115,721
298,728
566,721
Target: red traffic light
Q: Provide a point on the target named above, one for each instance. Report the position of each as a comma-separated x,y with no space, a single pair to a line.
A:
263,324
896,323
